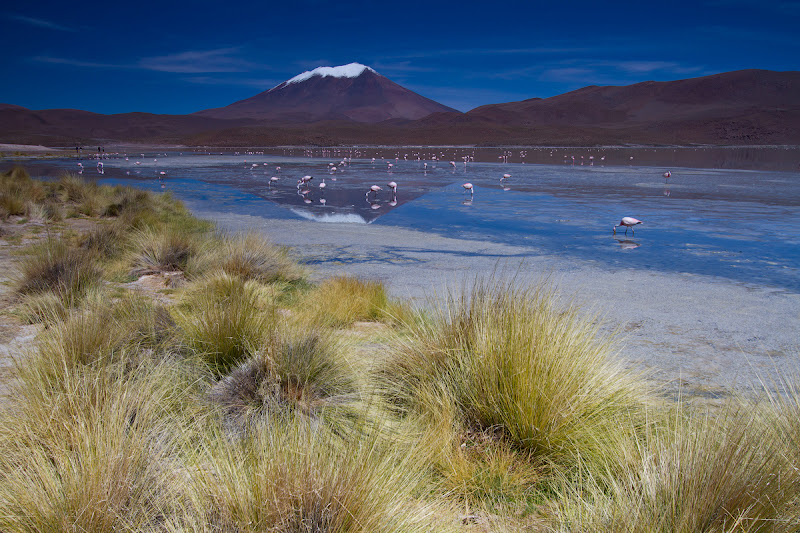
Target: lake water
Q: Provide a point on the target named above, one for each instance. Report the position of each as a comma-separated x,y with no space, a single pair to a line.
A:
735,224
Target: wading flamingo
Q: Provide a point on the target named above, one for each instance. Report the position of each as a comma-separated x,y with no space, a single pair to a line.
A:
628,222
468,187
374,189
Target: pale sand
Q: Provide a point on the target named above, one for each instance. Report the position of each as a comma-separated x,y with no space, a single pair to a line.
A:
28,148
699,334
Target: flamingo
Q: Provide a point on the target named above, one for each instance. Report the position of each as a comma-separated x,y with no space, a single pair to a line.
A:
322,185
392,185
273,179
628,222
374,189
304,180
505,177
667,174
468,187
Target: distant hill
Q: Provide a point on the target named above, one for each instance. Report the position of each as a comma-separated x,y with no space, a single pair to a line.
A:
353,104
757,106
349,92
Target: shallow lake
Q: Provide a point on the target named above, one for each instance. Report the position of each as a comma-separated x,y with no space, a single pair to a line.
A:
737,224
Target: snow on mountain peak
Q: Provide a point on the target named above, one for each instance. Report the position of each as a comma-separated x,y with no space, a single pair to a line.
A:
353,70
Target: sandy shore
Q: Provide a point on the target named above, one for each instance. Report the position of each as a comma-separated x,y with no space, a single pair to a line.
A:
28,148
698,334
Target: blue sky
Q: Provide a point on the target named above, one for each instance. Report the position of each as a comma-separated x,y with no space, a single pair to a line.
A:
174,57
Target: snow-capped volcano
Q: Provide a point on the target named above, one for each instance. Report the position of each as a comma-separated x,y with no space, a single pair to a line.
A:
352,70
353,92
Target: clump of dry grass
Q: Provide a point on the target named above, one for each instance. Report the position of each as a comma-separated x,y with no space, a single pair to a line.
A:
342,300
18,192
225,320
252,257
147,326
105,240
691,473
127,202
295,477
55,266
296,373
167,249
96,455
86,338
511,358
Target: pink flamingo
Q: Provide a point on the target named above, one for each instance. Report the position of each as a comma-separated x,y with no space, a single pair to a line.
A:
505,177
392,185
628,222
374,189
304,180
667,174
273,179
468,187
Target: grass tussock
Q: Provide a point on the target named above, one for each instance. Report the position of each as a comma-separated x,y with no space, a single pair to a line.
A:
165,250
18,193
511,359
251,257
98,455
225,320
343,300
296,374
297,478
55,266
693,473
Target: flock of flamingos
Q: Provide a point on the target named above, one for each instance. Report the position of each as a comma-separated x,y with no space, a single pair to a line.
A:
304,183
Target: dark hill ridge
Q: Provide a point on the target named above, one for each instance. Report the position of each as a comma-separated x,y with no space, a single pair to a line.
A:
719,95
349,92
348,105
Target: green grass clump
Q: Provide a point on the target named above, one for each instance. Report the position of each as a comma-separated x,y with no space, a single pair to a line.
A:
225,320
511,358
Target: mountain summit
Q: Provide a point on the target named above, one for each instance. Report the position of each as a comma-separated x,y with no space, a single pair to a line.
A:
352,70
351,92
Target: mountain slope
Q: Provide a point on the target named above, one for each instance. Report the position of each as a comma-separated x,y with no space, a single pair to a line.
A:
350,92
720,95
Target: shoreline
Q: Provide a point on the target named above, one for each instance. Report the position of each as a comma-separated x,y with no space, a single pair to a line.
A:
695,335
